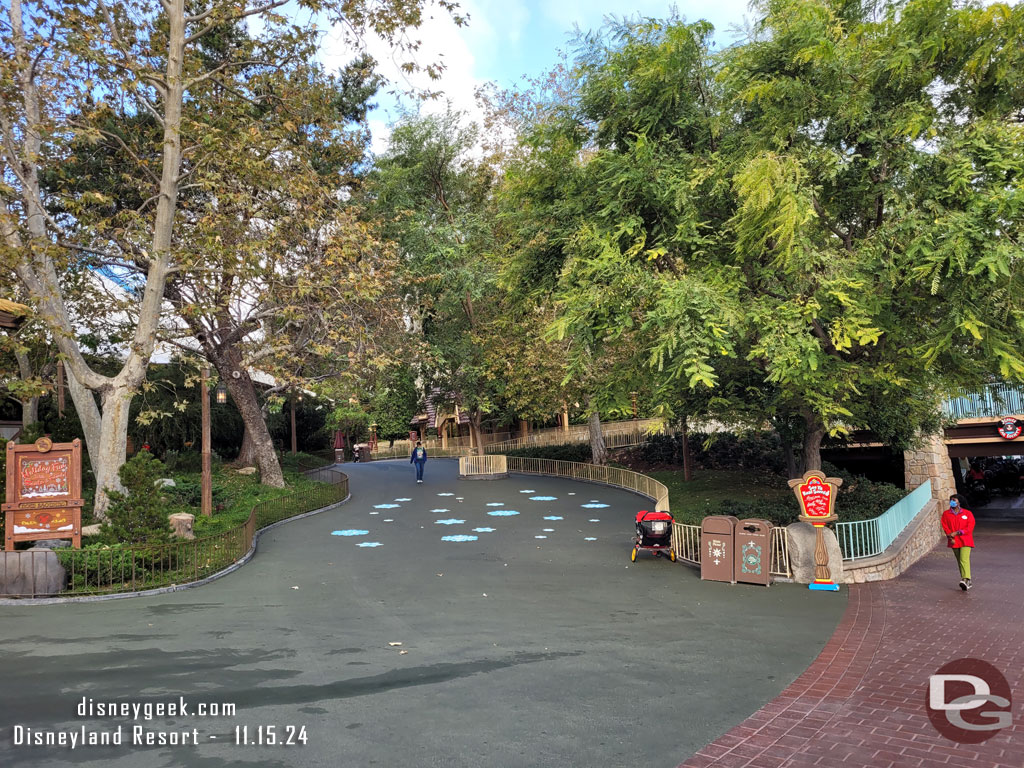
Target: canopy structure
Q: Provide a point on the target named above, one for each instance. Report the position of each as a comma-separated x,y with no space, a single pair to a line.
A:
12,315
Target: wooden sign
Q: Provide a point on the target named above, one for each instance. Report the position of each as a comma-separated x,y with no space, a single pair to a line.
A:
817,497
44,492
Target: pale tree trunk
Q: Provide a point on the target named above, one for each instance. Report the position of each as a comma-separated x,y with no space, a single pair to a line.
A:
812,440
29,407
599,453
106,433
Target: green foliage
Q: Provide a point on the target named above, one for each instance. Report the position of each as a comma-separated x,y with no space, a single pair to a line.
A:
819,225
100,565
139,515
569,452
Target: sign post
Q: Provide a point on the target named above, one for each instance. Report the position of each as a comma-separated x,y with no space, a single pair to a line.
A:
44,492
817,497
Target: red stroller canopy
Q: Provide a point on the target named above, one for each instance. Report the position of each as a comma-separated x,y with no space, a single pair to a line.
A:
643,515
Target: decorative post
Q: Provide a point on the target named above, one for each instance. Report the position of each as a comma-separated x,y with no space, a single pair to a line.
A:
816,495
206,489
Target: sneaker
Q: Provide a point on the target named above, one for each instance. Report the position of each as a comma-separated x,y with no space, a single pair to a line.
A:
963,584
968,583
419,481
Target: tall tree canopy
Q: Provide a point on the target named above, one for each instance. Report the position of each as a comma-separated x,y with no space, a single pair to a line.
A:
835,203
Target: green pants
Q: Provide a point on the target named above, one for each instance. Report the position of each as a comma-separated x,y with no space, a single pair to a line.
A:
963,559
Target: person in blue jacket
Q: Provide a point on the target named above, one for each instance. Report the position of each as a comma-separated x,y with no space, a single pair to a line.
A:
419,458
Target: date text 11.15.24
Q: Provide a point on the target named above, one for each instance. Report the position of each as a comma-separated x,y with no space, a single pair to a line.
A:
270,735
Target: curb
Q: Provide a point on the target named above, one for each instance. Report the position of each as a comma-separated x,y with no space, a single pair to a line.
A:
173,587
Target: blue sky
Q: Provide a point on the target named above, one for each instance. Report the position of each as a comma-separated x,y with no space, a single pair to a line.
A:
507,39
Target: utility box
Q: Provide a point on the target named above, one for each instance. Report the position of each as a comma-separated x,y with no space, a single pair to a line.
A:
753,551
717,548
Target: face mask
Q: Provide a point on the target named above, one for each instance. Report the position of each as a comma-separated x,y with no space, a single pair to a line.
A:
953,504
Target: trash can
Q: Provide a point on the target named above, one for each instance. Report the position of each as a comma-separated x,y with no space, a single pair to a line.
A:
716,548
754,551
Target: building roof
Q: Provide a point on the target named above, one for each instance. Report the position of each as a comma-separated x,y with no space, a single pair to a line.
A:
12,314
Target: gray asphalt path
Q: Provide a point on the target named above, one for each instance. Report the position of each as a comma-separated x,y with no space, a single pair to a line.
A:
519,651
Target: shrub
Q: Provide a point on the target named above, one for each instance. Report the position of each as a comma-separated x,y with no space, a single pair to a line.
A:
571,452
98,565
858,499
140,514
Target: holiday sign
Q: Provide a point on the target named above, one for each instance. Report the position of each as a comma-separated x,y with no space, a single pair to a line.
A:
817,496
44,492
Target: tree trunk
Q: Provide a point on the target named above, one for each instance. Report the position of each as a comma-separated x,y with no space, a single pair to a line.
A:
475,419
812,440
247,453
113,445
792,465
30,407
599,453
687,463
243,393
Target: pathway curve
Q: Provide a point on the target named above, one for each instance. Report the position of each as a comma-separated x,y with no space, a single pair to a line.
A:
862,702
536,643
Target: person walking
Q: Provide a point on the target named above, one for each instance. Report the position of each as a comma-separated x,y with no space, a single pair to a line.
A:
958,525
419,458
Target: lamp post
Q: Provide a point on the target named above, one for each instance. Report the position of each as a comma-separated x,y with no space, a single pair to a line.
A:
207,480
373,436
295,442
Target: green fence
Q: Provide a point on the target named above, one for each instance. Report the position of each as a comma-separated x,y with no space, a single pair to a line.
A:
131,568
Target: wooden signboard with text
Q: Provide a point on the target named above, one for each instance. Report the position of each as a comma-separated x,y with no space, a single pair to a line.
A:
44,492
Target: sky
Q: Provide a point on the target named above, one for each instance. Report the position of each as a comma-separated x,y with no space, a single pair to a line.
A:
506,40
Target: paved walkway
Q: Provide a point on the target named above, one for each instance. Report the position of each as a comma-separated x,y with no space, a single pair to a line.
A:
528,640
862,702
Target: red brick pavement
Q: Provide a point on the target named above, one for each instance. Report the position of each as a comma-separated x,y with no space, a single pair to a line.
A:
862,701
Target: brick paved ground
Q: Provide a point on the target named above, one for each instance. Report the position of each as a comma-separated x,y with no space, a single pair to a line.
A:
862,702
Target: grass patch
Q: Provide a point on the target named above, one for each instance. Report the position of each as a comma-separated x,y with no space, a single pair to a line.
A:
692,501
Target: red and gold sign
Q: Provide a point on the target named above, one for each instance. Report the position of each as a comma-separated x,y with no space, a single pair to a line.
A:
817,497
44,492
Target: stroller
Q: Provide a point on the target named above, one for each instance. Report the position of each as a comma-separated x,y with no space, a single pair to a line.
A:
653,533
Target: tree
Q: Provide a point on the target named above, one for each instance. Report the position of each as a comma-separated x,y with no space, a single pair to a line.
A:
832,204
56,56
435,195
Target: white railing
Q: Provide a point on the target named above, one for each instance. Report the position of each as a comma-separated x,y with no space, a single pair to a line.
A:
482,465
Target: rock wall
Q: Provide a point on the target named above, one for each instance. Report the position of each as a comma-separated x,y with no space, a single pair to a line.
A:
930,461
920,538
31,573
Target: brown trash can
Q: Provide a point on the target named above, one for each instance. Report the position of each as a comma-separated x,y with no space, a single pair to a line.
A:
754,551
717,554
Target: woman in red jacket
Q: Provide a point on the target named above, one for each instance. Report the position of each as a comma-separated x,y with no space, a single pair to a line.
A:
958,524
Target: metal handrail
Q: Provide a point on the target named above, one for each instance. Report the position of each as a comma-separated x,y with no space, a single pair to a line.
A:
866,538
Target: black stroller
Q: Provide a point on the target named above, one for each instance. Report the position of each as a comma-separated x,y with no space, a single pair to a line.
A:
653,533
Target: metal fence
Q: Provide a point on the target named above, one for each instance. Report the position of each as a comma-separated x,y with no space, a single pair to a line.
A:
995,400
686,543
867,538
594,473
482,465
135,567
617,434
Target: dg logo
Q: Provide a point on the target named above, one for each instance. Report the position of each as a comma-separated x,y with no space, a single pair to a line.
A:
969,701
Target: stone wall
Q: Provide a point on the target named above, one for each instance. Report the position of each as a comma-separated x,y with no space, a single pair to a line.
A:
920,538
930,461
